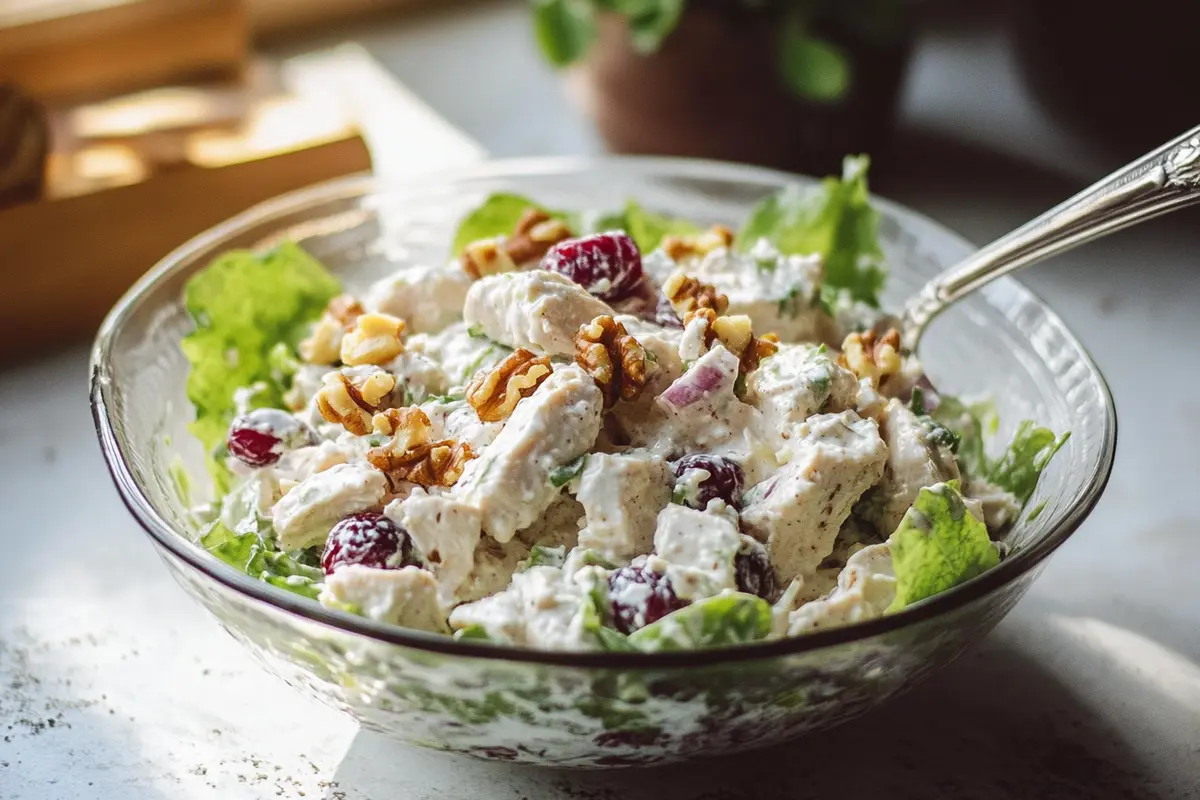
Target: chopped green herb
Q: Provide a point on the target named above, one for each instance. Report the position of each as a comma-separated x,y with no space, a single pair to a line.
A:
561,476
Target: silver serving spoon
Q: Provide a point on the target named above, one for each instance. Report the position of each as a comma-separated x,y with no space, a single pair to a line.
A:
1163,180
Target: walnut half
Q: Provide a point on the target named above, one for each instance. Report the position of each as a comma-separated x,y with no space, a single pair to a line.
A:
352,402
495,393
614,359
411,456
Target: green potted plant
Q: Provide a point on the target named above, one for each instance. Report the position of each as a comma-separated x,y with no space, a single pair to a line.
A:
789,83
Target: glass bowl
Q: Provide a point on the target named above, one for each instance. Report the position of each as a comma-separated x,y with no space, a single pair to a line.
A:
589,709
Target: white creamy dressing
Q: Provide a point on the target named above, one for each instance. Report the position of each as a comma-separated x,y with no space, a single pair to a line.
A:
811,439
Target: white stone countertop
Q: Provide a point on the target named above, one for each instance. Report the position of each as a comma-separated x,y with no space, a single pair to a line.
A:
115,686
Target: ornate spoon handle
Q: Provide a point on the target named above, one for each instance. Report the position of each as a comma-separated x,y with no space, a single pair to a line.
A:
1162,181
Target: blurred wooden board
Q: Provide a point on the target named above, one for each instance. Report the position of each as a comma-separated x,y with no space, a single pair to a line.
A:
66,262
76,48
276,17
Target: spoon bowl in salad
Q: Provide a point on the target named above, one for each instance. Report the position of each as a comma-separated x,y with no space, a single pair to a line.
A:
621,705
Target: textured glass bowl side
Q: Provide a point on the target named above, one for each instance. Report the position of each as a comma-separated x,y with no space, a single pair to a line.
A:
589,709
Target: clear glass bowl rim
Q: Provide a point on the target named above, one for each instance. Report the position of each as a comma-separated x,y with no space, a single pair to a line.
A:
179,546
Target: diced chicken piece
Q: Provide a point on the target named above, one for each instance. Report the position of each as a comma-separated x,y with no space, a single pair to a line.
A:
795,383
701,408
537,309
304,462
510,482
460,352
990,504
662,352
245,506
446,533
426,298
406,597
418,374
700,548
493,564
914,462
622,496
541,608
701,413
865,589
493,568
853,536
305,515
779,293
306,382
797,512
559,526
458,421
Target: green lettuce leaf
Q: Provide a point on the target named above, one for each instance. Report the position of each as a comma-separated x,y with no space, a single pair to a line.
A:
648,229
973,423
473,633
836,221
1020,466
251,554
938,545
245,306
726,619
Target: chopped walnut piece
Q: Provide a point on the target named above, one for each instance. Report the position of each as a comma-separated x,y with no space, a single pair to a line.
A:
760,347
486,257
700,244
737,336
536,232
324,343
495,393
869,355
374,340
613,358
411,419
688,294
351,402
411,457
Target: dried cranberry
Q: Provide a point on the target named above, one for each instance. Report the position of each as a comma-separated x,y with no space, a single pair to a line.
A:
369,539
754,572
606,264
724,480
640,597
259,437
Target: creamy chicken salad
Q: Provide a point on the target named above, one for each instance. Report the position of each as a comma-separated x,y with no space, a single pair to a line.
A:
597,431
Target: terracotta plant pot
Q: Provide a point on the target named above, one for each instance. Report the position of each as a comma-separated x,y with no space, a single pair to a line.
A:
714,90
